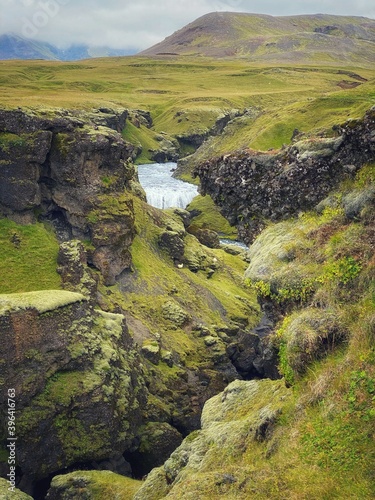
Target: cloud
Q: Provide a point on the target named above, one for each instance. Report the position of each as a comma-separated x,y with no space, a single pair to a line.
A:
138,25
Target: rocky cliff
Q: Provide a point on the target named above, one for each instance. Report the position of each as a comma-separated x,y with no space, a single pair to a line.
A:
76,377
71,168
253,187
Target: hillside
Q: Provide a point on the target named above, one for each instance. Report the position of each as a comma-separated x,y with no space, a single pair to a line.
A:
299,39
16,47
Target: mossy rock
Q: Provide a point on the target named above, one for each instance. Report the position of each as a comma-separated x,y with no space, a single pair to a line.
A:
155,488
157,441
14,494
42,301
151,351
175,314
92,485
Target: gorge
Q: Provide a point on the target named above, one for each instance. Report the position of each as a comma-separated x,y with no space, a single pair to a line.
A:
145,358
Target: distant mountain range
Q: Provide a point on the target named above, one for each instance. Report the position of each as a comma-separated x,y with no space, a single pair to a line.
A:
316,38
16,47
319,38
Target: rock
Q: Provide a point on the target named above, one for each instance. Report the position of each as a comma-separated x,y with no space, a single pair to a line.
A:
167,358
72,262
151,351
75,372
172,242
155,487
196,257
184,215
210,341
175,314
14,494
251,187
206,237
92,485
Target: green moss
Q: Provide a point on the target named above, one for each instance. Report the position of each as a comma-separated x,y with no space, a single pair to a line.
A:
22,250
42,301
9,141
94,485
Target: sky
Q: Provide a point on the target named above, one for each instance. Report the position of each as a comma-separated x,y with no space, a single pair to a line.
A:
138,24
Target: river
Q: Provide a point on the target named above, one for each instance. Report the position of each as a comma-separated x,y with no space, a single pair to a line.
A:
162,190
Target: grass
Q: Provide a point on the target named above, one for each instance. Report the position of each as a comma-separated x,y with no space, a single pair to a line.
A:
156,281
143,137
186,96
43,301
23,249
210,217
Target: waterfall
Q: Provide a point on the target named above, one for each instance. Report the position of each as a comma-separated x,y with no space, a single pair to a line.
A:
162,190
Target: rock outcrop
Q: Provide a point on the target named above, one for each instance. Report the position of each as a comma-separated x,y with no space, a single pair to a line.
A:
71,168
77,381
252,187
244,414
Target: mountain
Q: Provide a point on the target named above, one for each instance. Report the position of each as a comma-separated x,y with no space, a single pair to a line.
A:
304,38
13,46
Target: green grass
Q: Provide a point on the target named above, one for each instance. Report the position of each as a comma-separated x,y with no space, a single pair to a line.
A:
210,217
143,137
28,258
187,95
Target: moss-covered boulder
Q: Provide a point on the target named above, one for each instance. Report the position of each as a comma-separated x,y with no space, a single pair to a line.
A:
92,485
242,416
8,492
307,336
175,314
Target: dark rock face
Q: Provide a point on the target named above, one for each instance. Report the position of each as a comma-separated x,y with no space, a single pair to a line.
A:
73,169
251,187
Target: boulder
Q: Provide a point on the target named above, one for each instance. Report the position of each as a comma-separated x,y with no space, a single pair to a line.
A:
13,493
245,413
93,485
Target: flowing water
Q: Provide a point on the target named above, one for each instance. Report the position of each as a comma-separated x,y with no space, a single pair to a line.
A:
162,190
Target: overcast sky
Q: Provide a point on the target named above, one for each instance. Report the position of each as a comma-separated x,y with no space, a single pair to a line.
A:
139,24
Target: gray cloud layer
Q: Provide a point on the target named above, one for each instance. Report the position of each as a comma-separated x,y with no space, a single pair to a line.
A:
141,23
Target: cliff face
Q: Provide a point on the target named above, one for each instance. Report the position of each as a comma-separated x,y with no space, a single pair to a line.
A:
78,386
252,187
71,168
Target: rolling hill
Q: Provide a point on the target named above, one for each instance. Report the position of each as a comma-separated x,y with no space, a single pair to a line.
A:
303,39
